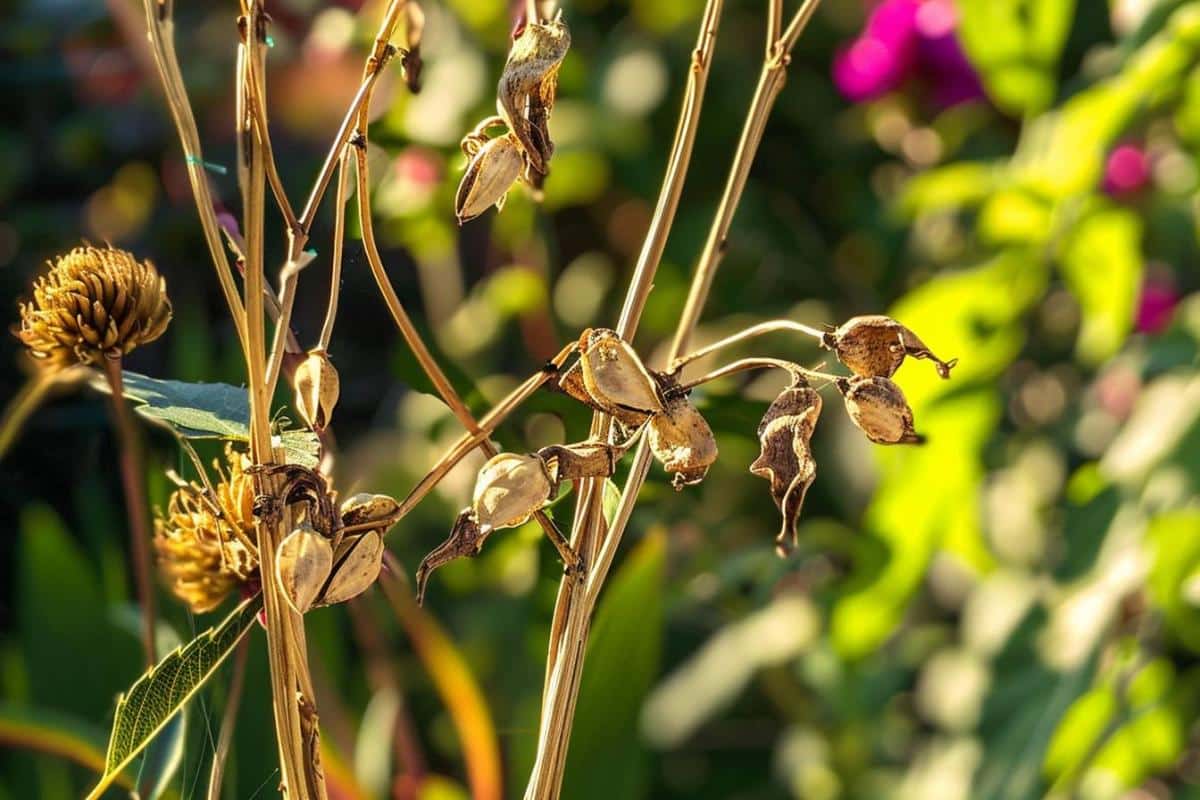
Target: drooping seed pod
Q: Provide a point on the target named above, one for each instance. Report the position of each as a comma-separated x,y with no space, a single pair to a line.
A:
529,80
365,508
681,439
611,378
303,562
875,346
490,173
94,302
317,389
466,539
786,458
878,407
414,29
357,564
509,489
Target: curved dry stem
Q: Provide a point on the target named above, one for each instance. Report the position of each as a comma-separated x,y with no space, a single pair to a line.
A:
335,267
747,364
770,326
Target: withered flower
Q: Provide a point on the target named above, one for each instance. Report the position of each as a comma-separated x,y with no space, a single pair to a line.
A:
525,94
680,437
317,389
203,554
786,458
875,346
494,167
302,565
878,407
610,377
94,302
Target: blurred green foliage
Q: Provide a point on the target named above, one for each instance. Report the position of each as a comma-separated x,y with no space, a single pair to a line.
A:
1011,611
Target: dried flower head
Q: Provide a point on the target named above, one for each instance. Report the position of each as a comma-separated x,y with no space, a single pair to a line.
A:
94,302
610,377
525,94
786,459
494,167
205,545
878,407
302,565
317,389
875,346
680,437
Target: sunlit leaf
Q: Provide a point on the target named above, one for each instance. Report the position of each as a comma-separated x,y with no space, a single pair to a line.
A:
1174,546
150,704
960,185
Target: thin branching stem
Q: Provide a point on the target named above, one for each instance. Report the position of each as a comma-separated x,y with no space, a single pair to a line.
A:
754,331
746,364
233,701
129,446
335,266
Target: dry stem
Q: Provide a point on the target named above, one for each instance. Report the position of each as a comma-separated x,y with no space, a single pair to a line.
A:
229,719
754,331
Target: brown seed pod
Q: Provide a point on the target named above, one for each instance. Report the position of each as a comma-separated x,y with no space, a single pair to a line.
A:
357,564
509,489
610,377
680,438
878,407
414,28
94,302
363,508
302,565
466,539
875,346
786,458
587,459
317,389
491,172
527,87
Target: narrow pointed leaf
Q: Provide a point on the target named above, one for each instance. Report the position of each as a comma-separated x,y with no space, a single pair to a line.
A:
144,711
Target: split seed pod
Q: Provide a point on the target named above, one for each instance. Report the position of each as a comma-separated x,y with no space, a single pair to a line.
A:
525,94
358,562
317,389
875,346
509,489
363,508
878,407
302,565
491,172
681,439
610,377
786,459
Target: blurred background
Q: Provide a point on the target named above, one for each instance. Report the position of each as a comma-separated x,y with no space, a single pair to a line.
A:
1011,611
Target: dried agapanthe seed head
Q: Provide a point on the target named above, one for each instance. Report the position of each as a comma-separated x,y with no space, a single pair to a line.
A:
680,438
611,378
357,564
364,508
878,407
509,489
525,94
317,389
875,346
786,458
303,562
491,172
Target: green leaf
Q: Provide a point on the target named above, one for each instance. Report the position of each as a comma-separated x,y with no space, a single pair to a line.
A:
207,411
1173,542
611,500
965,184
607,758
1102,264
144,711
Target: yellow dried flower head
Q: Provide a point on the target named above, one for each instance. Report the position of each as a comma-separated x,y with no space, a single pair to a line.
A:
94,302
204,556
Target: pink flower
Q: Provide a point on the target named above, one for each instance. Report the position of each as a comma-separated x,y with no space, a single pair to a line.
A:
882,56
1126,171
1156,306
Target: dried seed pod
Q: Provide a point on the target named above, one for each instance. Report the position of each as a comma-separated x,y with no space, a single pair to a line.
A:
786,458
363,508
414,28
587,459
613,378
466,539
317,389
878,407
491,172
358,562
302,565
875,346
680,438
530,80
509,489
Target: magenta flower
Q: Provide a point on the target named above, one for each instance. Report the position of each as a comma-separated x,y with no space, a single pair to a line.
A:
882,56
1126,171
1156,306
942,62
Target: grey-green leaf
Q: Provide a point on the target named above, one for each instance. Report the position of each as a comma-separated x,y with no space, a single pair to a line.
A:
206,411
144,711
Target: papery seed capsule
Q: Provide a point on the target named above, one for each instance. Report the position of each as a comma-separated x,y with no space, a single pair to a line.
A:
786,458
875,346
509,489
302,565
613,375
317,389
364,507
681,439
878,407
528,81
359,560
414,28
490,174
